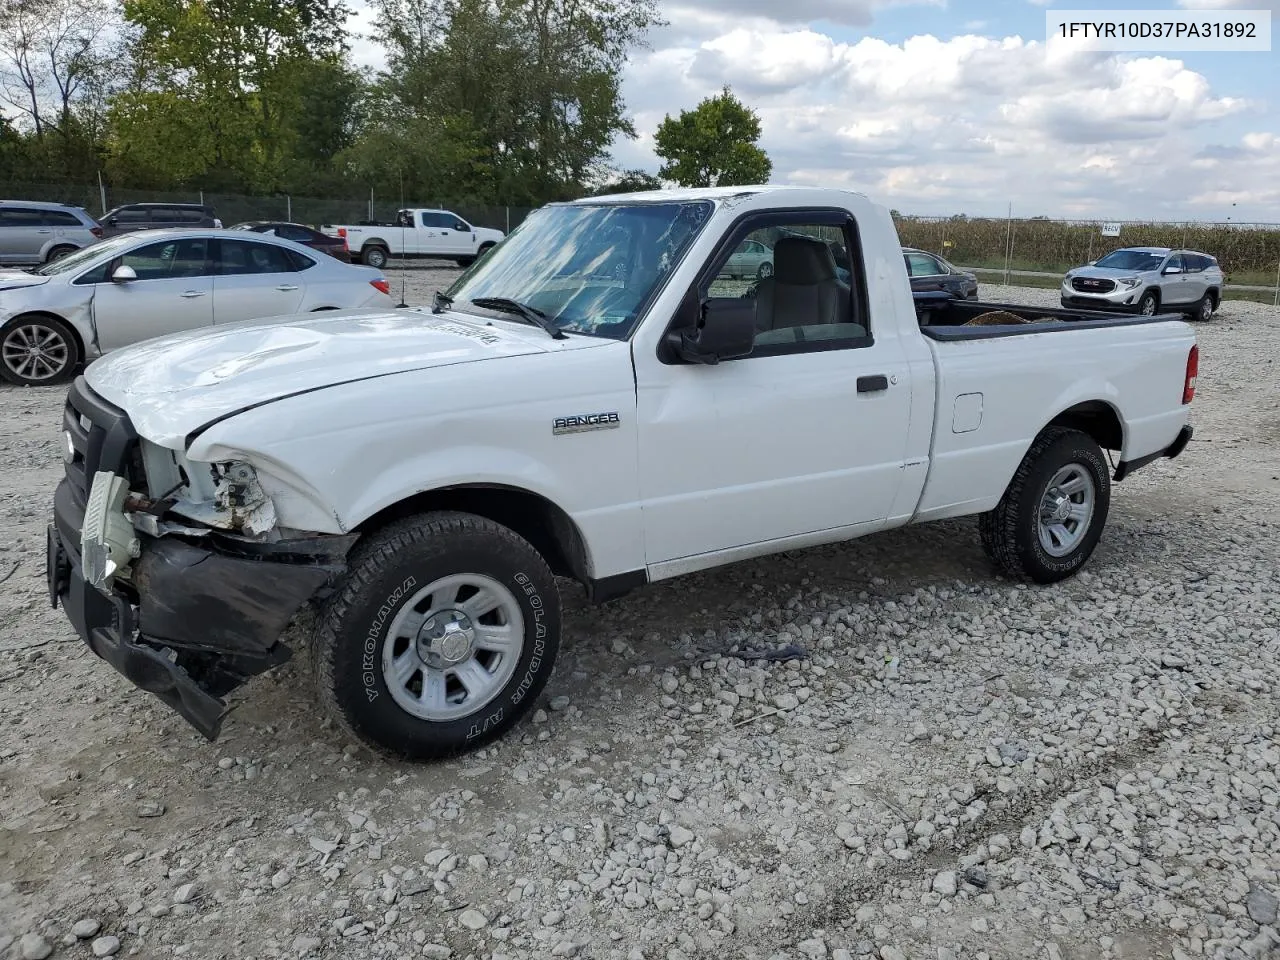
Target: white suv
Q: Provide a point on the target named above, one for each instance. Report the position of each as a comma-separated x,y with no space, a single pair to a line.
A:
36,232
1147,280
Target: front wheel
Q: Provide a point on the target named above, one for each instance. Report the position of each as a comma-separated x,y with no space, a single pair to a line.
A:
1149,303
38,351
1051,517
441,638
764,271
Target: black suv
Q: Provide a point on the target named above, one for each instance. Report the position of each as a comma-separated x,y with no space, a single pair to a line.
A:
158,216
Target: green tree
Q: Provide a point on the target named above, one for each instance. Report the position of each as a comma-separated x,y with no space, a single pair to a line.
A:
222,86
714,144
521,97
626,181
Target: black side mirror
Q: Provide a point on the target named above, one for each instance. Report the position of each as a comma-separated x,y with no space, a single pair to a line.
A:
461,227
725,330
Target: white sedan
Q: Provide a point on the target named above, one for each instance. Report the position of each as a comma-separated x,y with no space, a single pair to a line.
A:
146,284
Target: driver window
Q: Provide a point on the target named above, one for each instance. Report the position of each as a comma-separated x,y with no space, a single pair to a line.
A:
169,259
801,277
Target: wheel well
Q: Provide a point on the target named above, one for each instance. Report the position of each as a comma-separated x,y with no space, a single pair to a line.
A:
75,334
1154,291
1096,418
486,245
1213,295
60,246
374,243
547,527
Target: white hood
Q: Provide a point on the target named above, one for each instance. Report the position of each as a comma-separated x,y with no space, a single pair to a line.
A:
177,384
12,279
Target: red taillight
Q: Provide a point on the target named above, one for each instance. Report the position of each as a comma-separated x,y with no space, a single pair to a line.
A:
96,231
382,286
1193,368
342,232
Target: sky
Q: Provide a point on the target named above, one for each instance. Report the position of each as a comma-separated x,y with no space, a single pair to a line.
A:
939,107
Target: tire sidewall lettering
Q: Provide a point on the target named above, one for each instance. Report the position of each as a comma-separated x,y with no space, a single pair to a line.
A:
376,634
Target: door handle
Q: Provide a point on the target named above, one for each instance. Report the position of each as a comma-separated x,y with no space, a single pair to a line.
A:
44,231
873,384
286,287
190,294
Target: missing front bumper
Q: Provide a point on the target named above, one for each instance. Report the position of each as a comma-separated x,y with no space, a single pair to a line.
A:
205,621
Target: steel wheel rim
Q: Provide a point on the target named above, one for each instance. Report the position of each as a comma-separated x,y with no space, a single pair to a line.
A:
1148,306
34,351
1066,509
453,647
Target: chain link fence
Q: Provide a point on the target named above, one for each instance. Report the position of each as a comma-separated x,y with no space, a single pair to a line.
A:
1038,251
1035,251
232,208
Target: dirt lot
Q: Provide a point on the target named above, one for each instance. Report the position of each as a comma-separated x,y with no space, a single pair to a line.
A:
959,768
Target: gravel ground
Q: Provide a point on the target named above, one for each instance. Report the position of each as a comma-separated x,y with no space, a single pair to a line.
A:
959,767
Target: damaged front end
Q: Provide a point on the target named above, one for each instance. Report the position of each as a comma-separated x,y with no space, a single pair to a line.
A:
181,578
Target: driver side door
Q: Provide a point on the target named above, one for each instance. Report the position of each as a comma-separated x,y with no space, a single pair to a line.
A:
1174,286
804,436
173,291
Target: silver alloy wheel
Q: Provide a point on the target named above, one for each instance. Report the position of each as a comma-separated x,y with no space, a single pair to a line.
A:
1206,308
765,271
35,351
453,647
1148,306
1066,509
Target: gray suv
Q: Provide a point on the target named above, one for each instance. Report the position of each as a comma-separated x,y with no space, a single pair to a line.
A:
1147,280
33,232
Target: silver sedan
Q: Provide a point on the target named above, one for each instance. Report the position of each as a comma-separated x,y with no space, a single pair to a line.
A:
146,284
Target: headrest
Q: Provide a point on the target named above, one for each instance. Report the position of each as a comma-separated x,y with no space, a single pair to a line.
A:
801,261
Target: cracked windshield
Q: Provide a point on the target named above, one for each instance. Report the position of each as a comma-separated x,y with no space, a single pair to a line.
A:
589,268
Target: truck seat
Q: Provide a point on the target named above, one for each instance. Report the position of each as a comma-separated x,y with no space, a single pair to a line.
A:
803,290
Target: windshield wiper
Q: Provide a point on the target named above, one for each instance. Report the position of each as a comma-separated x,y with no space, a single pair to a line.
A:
441,303
529,314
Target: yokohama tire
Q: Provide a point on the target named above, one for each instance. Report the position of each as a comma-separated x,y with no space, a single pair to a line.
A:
387,570
1011,533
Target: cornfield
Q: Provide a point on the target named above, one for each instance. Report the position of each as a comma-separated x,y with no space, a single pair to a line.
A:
1246,252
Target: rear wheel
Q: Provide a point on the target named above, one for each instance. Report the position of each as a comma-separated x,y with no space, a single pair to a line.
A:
441,638
38,351
1204,309
1149,304
57,253
764,271
374,257
1051,517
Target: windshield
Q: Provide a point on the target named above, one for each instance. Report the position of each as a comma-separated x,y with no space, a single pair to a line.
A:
1131,260
590,268
84,256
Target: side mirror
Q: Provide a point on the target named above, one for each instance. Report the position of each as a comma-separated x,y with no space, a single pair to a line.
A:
123,274
1168,270
1092,262
726,330
461,227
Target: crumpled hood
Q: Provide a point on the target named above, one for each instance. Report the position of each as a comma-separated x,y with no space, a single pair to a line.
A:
13,279
173,385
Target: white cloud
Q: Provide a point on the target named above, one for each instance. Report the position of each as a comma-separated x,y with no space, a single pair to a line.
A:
965,124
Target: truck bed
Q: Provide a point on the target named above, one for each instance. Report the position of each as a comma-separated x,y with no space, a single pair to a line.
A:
943,317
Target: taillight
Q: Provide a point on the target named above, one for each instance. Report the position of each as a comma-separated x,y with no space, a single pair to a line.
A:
383,287
342,232
1193,368
96,231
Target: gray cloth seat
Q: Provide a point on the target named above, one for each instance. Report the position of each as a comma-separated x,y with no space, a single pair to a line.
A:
804,290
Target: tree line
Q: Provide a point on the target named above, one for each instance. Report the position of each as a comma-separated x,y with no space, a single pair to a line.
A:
487,101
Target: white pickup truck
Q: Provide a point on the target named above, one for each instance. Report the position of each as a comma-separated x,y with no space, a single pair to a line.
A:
416,232
593,400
